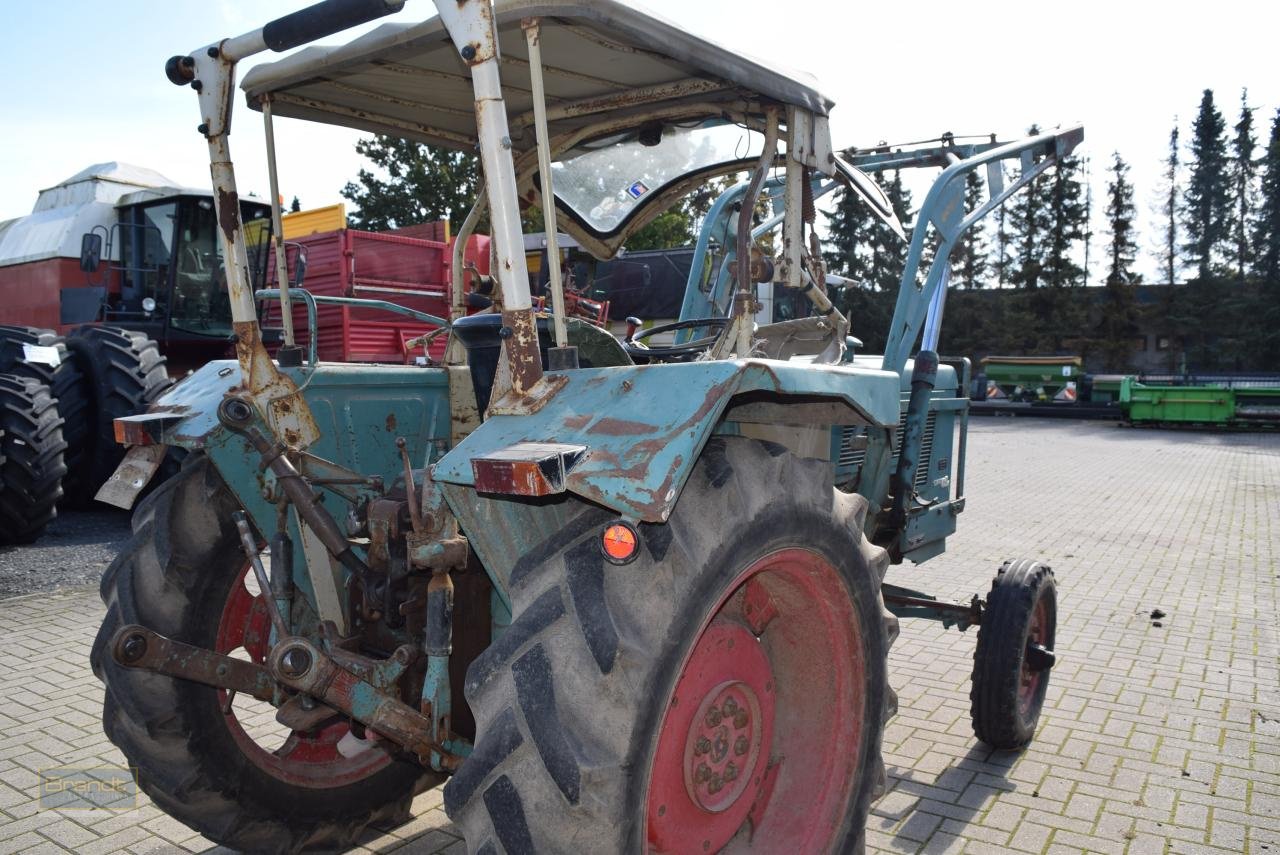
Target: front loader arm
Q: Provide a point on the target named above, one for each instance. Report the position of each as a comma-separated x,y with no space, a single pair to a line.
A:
943,209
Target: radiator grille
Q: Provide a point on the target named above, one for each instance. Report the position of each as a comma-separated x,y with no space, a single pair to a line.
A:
852,457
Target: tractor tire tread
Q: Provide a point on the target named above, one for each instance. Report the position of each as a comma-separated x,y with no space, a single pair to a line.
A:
556,698
31,458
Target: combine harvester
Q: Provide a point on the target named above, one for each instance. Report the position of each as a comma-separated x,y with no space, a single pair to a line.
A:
619,608
1205,404
114,287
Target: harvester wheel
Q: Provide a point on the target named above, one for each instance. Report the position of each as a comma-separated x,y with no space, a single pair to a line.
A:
1014,654
724,690
70,390
126,374
205,758
31,465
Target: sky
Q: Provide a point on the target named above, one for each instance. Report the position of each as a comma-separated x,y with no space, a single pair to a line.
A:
84,82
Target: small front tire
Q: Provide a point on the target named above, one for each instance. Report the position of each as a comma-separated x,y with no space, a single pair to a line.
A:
1014,654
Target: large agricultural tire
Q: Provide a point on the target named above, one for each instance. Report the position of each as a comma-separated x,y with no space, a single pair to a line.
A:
70,389
126,375
1014,655
31,448
183,575
591,704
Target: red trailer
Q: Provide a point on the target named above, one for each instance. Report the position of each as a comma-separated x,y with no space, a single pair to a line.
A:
410,267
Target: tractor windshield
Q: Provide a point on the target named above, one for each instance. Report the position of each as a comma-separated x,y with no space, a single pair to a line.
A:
200,303
604,182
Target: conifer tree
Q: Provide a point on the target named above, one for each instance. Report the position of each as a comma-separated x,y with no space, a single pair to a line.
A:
1028,222
1243,190
1266,234
1119,311
846,251
1169,210
1208,193
890,251
1067,217
1265,344
969,260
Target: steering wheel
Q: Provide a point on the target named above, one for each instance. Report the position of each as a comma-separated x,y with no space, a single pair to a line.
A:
683,352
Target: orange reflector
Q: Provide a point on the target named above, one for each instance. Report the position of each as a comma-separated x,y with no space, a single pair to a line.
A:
619,543
131,433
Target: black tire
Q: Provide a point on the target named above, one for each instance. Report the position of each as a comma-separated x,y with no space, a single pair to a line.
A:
71,391
570,701
174,576
31,447
126,375
1006,709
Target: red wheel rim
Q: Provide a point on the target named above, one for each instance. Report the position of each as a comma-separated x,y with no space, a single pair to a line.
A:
1030,678
761,741
310,759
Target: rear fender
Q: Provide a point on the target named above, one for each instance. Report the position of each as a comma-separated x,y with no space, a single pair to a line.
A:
629,437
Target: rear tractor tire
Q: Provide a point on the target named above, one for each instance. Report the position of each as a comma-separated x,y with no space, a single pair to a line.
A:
212,763
1014,654
725,690
126,375
31,464
70,390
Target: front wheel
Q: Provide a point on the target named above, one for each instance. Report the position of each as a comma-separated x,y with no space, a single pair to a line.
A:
1014,654
725,691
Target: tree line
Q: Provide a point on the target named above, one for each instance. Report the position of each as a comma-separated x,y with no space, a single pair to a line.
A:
1218,241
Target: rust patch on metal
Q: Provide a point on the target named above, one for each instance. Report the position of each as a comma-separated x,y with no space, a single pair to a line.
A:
621,427
391,422
577,422
229,213
523,356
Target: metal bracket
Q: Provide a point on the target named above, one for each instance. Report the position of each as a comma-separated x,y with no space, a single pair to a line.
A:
136,646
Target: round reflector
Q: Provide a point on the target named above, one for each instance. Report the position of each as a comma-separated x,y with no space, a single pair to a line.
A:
620,543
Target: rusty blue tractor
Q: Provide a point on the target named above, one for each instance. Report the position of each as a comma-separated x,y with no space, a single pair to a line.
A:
622,595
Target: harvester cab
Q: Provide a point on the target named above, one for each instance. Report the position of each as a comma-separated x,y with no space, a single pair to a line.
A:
158,269
626,596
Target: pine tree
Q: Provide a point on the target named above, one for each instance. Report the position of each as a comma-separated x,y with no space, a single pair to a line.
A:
846,251
1266,234
295,206
1002,242
1243,192
1067,218
1265,345
889,252
1119,311
1028,224
969,260
1170,210
1208,193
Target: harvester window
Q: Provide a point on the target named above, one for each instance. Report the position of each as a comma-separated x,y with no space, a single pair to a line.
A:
146,238
200,303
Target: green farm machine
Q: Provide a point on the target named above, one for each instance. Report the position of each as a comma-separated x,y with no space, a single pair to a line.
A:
621,596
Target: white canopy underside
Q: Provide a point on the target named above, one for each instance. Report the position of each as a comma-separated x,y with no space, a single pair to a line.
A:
407,80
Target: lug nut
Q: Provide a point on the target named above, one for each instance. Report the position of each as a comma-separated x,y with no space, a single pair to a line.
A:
295,662
703,773
730,772
730,707
702,746
740,746
713,717
133,648
741,719
716,785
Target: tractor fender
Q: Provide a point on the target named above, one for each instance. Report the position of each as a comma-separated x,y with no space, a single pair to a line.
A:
631,435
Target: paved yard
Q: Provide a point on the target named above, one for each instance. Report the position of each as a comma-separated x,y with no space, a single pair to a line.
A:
1155,738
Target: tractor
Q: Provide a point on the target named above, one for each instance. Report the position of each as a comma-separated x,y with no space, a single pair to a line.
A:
617,595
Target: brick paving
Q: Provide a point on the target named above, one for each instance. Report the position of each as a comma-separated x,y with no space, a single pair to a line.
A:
1154,739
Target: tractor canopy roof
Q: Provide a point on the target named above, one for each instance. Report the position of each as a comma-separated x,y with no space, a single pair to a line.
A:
639,110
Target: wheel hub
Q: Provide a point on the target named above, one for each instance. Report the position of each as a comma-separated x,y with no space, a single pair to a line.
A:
723,746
